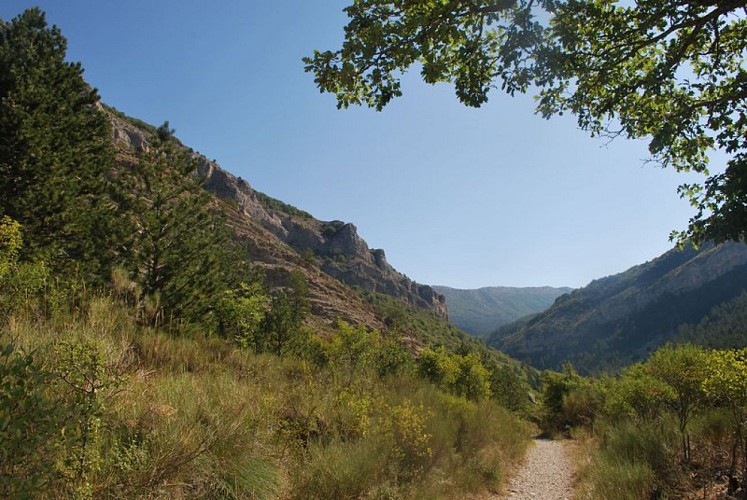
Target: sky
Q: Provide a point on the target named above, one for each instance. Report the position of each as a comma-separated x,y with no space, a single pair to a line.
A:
495,196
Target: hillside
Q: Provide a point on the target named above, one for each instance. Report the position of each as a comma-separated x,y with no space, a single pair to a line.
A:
480,311
280,238
622,318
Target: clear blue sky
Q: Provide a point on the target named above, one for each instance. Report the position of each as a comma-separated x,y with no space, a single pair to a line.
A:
456,196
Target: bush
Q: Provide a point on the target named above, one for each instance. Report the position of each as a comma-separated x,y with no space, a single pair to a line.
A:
29,423
635,460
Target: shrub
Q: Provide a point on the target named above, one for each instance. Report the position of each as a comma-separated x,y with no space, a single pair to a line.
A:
29,423
635,460
404,428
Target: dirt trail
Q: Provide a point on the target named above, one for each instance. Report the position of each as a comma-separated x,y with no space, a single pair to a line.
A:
546,474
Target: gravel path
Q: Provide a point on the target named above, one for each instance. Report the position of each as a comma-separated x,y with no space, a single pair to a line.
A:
546,474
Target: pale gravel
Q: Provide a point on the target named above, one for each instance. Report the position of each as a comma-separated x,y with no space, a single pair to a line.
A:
546,474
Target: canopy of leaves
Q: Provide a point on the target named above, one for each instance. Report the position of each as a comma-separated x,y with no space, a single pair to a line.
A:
667,70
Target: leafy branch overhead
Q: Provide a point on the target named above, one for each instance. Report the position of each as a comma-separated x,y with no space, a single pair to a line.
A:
670,71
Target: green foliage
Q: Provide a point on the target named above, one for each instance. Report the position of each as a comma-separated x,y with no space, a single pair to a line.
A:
29,425
726,383
273,204
726,377
635,461
19,282
671,424
404,430
556,387
464,375
473,379
10,244
241,313
353,350
87,379
283,322
639,395
664,70
437,366
510,388
683,368
55,151
436,333
135,411
721,328
180,253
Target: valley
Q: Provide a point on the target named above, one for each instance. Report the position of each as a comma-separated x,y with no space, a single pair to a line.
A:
169,331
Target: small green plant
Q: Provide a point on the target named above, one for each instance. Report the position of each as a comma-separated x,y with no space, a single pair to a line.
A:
86,380
308,256
29,424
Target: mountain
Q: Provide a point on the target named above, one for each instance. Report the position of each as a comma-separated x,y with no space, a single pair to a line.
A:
280,238
480,311
619,319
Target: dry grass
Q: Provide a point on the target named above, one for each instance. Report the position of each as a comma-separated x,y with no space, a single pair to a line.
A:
194,416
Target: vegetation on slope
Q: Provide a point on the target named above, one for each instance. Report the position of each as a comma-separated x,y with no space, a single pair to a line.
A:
115,407
621,319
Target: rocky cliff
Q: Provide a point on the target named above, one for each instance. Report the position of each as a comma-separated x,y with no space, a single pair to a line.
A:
282,238
619,319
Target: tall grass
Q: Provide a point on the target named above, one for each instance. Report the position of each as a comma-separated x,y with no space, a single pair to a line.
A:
182,414
635,460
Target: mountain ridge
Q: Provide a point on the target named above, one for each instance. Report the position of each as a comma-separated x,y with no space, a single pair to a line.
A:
619,319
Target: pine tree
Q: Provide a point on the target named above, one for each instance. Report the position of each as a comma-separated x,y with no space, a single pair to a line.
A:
55,150
181,252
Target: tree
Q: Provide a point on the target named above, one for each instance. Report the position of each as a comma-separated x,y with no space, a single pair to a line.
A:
55,150
670,71
284,319
726,383
180,252
683,368
508,387
638,394
29,424
555,389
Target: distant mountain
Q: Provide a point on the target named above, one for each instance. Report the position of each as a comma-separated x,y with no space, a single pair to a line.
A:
481,311
616,320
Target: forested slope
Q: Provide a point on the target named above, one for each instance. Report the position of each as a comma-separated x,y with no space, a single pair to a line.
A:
619,319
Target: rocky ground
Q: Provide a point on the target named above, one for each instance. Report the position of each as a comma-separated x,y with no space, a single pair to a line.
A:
546,474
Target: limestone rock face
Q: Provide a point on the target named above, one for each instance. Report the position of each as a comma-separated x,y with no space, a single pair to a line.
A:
288,233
